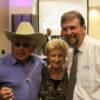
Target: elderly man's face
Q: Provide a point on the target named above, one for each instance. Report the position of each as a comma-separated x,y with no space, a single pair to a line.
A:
22,49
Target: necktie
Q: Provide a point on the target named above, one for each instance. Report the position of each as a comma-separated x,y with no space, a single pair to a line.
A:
72,78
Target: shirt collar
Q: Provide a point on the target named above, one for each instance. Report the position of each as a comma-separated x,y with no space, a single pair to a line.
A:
82,48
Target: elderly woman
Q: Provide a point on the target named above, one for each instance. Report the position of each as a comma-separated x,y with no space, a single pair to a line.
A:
55,80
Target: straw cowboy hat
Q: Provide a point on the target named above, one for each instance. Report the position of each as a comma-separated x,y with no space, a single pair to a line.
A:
26,30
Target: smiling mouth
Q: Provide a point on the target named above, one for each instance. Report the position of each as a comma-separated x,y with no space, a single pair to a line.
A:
71,38
20,54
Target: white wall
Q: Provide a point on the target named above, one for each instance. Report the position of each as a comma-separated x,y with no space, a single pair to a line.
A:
94,18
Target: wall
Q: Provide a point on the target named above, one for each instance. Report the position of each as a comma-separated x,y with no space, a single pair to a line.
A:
20,6
94,22
4,24
94,18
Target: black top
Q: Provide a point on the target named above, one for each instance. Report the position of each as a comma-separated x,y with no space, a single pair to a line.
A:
53,89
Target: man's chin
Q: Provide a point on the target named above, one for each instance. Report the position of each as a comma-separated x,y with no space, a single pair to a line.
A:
20,58
72,44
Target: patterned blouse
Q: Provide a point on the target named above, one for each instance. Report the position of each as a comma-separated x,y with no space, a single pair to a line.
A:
53,89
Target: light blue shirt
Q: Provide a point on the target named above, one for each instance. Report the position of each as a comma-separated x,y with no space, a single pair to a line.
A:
23,79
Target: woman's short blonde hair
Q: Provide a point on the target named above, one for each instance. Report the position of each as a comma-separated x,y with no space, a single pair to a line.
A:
56,44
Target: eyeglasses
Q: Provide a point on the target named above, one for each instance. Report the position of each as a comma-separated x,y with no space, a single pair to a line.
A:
25,44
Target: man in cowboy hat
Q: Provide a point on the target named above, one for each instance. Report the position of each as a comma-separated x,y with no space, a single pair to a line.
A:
20,71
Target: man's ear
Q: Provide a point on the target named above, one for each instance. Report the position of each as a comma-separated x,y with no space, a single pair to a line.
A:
33,48
84,29
84,26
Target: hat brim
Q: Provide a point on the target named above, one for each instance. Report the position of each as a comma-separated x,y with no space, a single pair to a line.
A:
38,39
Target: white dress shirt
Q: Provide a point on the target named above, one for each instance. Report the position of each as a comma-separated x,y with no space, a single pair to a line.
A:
88,70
